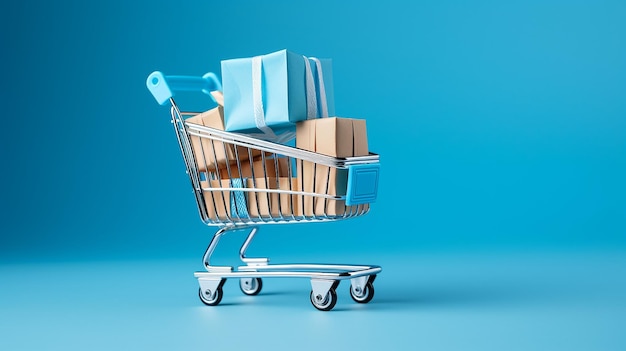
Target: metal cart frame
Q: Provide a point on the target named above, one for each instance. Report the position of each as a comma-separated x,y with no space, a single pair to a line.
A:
324,277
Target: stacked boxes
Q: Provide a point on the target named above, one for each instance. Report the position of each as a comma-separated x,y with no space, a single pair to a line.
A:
336,137
217,202
268,95
263,204
272,167
210,153
260,173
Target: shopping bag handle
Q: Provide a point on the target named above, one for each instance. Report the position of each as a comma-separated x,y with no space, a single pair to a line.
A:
164,87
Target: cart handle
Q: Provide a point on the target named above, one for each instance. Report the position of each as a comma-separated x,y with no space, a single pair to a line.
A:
164,87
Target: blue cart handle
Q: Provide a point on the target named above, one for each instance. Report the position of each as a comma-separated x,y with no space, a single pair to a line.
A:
164,87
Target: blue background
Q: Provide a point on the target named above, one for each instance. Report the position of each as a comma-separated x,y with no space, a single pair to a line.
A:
501,128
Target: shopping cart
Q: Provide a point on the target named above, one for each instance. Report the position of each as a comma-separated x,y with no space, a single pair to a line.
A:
274,192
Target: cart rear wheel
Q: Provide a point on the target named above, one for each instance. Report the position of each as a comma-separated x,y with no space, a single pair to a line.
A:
325,303
363,295
207,299
251,286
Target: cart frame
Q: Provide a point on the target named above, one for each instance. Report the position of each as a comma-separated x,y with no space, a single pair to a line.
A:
324,278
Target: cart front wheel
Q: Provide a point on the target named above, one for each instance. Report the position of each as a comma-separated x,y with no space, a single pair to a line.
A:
364,294
324,303
207,299
251,286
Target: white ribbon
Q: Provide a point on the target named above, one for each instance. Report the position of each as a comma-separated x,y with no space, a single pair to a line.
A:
320,81
257,97
311,98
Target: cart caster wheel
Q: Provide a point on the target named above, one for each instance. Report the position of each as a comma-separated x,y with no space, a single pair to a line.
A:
251,286
365,295
205,296
325,303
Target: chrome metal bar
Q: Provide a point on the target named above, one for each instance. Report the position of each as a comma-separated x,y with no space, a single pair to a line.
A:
206,259
339,275
278,191
260,221
246,141
312,267
244,248
252,274
188,157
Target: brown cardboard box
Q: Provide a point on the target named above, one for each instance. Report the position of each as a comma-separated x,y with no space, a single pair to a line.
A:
203,148
217,202
337,137
264,204
248,167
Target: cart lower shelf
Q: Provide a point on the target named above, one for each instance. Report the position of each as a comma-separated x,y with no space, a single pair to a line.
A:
324,278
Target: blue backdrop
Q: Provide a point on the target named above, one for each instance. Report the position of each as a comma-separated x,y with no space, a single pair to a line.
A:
498,124
501,220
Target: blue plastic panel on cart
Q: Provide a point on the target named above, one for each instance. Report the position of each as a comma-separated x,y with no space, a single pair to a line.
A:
362,184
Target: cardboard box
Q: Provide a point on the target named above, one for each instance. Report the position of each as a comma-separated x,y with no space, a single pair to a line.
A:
258,204
337,137
263,204
203,148
217,202
274,167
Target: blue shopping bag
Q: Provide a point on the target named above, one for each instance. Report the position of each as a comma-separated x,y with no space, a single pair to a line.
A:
266,95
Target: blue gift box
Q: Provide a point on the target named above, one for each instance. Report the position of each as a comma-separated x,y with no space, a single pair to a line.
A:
266,95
